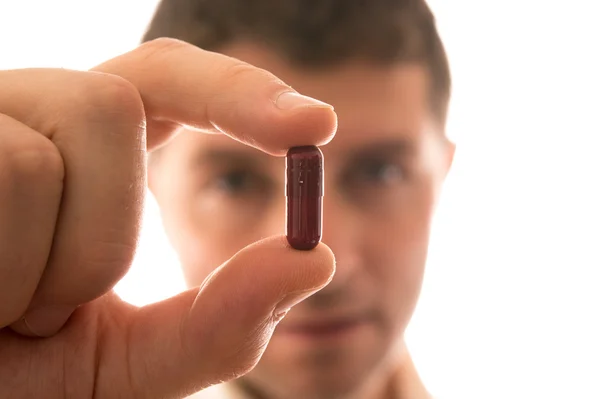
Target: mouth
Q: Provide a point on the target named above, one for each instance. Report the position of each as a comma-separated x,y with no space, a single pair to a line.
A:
333,328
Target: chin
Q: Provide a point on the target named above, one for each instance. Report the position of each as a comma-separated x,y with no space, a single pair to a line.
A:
318,370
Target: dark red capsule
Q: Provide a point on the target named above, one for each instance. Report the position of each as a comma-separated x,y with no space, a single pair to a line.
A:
304,191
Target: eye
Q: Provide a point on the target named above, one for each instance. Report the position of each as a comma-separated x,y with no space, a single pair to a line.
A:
239,182
376,171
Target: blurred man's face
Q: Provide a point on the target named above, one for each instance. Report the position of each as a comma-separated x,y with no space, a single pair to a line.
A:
383,172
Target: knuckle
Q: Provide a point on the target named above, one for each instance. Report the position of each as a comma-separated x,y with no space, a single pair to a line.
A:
113,98
162,44
36,161
155,51
241,72
246,77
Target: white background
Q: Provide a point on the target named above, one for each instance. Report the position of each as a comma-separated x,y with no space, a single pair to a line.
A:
511,301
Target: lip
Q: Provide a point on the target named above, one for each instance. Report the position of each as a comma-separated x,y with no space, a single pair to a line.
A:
323,329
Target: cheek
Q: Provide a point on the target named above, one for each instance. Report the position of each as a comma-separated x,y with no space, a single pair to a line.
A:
401,234
399,246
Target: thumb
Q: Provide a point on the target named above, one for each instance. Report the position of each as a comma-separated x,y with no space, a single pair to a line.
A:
219,331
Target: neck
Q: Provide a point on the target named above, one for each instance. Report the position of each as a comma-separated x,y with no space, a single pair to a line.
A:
407,382
396,379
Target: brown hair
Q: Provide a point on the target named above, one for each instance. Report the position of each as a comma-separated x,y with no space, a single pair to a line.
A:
316,33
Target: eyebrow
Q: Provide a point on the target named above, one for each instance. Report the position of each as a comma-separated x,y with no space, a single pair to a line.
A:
393,147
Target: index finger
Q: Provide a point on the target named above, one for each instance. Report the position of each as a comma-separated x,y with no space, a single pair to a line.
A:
181,84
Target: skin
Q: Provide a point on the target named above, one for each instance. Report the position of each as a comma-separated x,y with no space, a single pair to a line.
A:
383,175
73,155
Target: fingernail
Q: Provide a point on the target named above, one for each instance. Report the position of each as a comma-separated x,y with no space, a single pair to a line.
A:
47,320
289,100
291,300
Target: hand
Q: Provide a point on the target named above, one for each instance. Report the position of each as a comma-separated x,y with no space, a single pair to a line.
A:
73,151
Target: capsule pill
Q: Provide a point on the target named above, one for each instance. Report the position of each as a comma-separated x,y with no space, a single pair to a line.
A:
304,192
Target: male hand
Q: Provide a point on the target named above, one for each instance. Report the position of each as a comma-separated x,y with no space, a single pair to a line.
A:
73,149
